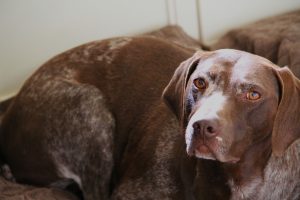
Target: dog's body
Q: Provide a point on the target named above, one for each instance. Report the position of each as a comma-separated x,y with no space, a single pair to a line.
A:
94,115
95,108
280,179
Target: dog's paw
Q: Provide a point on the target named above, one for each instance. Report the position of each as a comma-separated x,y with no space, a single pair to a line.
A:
6,173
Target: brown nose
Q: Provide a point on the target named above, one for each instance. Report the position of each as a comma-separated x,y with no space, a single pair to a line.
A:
206,128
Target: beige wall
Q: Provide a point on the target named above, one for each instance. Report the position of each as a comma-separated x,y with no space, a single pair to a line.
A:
32,31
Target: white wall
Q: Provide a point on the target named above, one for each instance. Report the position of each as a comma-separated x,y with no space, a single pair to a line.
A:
219,16
186,16
33,31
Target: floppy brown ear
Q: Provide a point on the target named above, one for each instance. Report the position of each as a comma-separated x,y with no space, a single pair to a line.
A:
174,93
287,122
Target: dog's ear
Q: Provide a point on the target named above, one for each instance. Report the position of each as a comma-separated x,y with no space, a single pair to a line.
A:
287,121
174,93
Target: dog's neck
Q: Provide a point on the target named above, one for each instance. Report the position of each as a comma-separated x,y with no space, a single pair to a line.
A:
245,175
266,177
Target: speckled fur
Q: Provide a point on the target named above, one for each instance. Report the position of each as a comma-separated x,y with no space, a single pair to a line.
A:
64,106
159,177
281,176
82,114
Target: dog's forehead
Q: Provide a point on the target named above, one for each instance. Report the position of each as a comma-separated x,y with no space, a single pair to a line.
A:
245,69
254,70
218,61
239,66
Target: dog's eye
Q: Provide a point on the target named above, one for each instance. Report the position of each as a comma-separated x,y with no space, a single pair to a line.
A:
200,84
253,95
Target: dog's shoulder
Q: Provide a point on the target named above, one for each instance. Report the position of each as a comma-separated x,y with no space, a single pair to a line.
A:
279,176
283,171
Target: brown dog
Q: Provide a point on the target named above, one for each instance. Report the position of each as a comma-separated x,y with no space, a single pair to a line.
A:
243,111
94,115
78,113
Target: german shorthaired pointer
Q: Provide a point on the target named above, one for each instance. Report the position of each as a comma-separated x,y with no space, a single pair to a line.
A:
81,113
94,116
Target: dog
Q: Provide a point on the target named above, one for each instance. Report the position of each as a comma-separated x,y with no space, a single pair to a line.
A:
243,111
94,116
78,117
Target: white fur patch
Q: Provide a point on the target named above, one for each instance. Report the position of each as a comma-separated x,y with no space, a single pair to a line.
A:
113,46
228,54
241,70
207,157
209,109
65,172
219,138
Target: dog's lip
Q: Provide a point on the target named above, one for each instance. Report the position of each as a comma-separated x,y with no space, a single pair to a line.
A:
206,149
202,149
224,159
230,159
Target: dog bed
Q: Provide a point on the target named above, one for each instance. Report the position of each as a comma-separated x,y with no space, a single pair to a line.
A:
276,38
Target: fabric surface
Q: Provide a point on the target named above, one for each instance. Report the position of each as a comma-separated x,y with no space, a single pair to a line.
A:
14,191
276,38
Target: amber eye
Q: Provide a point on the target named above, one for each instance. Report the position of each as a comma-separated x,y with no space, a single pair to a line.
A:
200,84
253,95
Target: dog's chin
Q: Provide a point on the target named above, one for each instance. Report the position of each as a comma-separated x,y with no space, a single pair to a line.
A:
228,159
205,156
204,152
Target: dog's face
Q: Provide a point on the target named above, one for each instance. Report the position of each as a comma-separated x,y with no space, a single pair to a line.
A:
233,102
228,101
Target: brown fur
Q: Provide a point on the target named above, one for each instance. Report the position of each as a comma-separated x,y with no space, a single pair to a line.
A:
94,115
252,137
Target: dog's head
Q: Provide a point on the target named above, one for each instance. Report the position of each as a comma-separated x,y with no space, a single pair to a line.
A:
228,100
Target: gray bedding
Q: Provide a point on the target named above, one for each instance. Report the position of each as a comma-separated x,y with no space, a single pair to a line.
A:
276,38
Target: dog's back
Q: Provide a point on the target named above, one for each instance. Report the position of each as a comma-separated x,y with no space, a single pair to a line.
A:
73,116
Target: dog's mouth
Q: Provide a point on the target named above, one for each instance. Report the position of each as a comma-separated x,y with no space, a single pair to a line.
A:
201,151
205,151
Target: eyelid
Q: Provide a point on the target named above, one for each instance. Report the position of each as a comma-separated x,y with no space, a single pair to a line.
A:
243,89
251,86
247,87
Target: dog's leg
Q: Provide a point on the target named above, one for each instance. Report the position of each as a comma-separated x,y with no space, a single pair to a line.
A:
62,130
6,172
84,150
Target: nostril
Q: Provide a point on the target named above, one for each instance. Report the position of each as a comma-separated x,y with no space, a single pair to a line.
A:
196,126
210,131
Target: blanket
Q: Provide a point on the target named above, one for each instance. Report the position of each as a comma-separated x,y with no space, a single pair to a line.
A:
276,38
